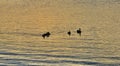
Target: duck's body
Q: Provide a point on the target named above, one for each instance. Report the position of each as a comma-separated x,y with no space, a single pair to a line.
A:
79,31
69,33
46,34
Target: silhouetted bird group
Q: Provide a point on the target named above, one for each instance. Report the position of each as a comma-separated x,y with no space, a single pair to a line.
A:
47,34
78,32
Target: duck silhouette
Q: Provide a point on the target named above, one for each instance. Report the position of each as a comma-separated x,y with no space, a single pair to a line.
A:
69,33
47,34
79,31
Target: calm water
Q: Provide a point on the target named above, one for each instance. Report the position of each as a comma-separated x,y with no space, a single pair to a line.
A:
58,50
23,21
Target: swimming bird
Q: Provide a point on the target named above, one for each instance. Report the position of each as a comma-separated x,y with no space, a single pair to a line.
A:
79,31
47,34
69,33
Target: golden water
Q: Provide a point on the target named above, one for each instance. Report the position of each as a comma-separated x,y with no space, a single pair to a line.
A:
23,21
